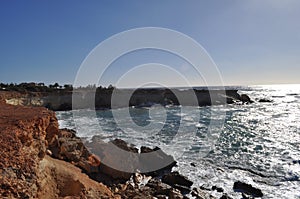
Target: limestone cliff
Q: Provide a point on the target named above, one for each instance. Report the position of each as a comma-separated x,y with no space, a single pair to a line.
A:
25,169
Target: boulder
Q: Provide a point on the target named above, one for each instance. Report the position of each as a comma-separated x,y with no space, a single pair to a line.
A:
155,158
119,160
247,188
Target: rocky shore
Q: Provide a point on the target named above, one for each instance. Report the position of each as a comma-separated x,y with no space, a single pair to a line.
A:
39,160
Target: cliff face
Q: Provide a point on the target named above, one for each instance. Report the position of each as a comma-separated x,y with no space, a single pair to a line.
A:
25,169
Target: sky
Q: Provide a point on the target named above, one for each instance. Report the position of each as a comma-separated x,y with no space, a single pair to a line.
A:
252,42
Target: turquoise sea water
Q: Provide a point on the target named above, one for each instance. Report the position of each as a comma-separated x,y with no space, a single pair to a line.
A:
256,143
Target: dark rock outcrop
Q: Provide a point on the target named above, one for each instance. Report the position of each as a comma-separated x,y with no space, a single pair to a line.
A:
245,98
116,151
176,178
178,181
265,100
247,188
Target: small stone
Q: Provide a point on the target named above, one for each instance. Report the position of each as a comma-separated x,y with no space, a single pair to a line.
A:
48,152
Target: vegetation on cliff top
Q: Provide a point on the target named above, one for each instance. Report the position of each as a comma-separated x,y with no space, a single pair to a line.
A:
41,87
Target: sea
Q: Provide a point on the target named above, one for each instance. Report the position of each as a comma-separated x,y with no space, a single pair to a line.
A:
256,143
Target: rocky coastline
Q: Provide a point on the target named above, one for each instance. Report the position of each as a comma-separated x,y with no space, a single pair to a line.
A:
39,160
63,100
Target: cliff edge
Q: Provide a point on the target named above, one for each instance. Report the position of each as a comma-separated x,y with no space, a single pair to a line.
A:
26,171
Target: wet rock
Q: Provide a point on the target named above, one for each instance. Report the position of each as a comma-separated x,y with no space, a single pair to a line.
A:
174,178
218,189
296,161
230,100
247,188
225,196
245,98
265,100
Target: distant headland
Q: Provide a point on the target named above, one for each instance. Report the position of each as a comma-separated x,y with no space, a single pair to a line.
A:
61,97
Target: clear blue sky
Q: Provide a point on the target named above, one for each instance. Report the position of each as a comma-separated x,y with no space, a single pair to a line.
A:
251,41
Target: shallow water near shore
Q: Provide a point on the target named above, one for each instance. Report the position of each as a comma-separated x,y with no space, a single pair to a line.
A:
256,143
